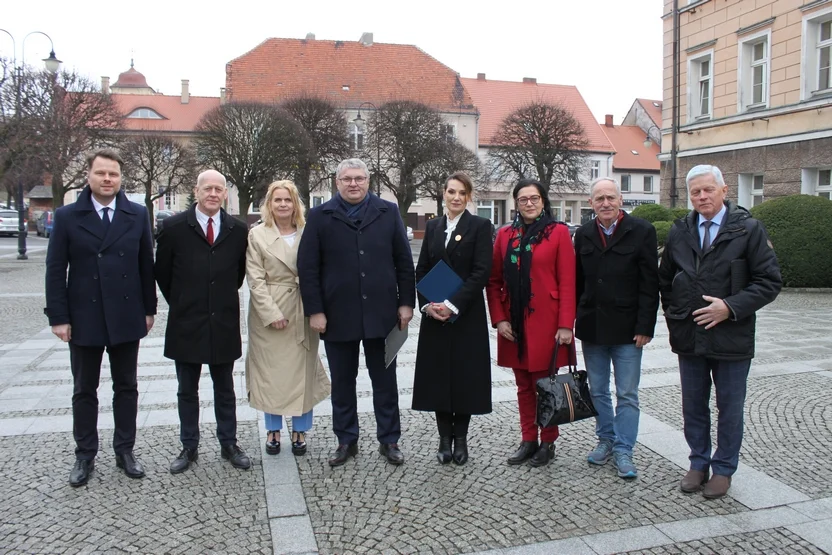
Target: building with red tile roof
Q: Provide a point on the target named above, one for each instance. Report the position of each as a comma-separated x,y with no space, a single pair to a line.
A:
647,115
635,166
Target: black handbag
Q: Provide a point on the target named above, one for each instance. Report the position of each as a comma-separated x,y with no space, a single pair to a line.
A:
563,398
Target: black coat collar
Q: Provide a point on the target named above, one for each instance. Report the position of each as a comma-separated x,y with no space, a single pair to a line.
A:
375,209
227,223
592,233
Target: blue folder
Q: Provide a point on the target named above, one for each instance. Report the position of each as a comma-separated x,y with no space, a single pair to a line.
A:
439,284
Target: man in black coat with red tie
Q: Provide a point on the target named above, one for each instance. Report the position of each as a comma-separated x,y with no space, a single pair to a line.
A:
107,301
200,266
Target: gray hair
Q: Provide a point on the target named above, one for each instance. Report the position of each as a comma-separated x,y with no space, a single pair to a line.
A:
352,164
705,169
598,180
211,173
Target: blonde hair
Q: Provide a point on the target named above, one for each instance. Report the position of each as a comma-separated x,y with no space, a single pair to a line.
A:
265,206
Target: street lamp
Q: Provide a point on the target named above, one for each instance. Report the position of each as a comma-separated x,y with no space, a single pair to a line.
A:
52,64
648,142
360,121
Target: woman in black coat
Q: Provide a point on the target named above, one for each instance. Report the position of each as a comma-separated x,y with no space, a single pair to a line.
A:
453,361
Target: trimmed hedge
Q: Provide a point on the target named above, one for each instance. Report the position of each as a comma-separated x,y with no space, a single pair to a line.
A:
662,229
799,228
652,213
679,213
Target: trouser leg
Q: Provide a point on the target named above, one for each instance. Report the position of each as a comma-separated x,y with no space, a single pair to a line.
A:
188,403
124,360
85,363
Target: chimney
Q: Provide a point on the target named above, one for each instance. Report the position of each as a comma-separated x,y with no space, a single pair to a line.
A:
530,80
480,76
310,36
222,95
185,94
105,85
366,39
608,120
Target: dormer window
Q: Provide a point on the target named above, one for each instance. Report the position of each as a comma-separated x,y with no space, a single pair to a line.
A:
144,113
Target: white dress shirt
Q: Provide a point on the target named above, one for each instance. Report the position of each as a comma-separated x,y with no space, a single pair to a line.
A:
100,208
203,222
450,227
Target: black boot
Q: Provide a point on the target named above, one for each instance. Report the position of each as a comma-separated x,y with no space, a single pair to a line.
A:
460,450
525,451
544,454
443,455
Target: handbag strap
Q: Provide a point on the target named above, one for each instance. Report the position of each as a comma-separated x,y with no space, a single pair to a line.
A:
572,364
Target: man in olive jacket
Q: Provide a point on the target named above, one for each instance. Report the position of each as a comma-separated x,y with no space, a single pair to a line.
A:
718,269
618,298
200,265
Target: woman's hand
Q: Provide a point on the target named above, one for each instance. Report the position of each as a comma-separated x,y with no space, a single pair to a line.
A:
564,336
504,330
280,324
435,311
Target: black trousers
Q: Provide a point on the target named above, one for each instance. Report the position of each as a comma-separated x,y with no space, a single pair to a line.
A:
343,368
86,372
225,402
452,424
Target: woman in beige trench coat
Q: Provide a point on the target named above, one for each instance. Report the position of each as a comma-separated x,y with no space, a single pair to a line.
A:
284,375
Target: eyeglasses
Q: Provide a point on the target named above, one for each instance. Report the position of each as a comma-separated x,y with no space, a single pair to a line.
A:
356,180
522,201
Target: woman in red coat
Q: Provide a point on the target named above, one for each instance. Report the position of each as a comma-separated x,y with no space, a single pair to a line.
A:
531,298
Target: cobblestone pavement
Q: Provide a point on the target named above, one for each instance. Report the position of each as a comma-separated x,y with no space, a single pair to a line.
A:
780,501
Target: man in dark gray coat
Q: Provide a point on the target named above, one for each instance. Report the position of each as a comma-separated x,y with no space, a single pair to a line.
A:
357,282
718,269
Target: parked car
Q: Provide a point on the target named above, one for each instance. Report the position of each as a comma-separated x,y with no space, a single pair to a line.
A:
409,233
160,216
9,223
44,224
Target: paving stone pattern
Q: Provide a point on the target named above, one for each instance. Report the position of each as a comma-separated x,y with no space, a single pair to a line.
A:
777,541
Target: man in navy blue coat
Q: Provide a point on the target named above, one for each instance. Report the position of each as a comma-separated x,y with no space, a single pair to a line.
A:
357,282
107,301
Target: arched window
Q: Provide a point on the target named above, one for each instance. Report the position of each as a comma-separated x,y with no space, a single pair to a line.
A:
144,113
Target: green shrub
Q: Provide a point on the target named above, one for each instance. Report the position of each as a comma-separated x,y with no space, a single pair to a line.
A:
662,229
652,213
799,229
679,213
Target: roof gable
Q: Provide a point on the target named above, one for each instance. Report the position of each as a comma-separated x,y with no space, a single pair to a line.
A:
653,108
177,117
630,152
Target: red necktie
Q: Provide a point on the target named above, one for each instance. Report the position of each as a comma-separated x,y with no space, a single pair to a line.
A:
210,234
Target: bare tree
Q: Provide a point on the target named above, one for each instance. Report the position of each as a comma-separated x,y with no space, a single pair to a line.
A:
433,174
541,141
252,144
326,128
408,134
156,165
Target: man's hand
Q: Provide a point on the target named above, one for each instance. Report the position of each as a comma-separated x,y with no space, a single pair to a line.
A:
564,336
405,315
318,322
504,330
712,314
642,340
63,331
148,320
435,311
280,324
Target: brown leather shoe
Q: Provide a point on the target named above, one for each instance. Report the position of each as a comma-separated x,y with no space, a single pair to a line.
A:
693,480
716,487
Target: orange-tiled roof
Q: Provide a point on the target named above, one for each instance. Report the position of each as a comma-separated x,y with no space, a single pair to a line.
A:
131,79
346,72
629,138
653,109
497,99
178,117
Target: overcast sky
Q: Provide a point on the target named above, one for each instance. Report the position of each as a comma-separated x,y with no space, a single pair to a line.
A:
610,49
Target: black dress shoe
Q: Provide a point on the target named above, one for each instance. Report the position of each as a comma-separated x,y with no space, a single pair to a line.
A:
443,455
526,450
298,444
132,467
460,450
80,473
392,452
184,460
344,452
545,453
272,443
236,456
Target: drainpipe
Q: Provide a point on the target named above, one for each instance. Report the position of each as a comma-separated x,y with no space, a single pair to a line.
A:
674,125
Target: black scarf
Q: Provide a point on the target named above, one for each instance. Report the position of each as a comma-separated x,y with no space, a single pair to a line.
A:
355,212
517,267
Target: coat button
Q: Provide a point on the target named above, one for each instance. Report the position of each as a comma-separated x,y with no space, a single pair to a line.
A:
94,300
95,277
213,313
364,297
600,281
126,297
124,276
360,252
363,274
100,255
121,253
212,283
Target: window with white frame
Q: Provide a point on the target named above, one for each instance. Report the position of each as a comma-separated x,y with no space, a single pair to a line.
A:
448,131
757,190
625,183
824,186
754,72
485,209
700,86
648,183
595,169
317,201
817,54
144,113
357,137
169,199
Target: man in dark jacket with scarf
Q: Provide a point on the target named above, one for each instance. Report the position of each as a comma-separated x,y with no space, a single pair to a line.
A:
357,282
717,270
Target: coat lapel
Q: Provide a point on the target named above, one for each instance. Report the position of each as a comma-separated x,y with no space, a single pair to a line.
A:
227,223
373,212
194,223
88,217
623,228
277,246
123,220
